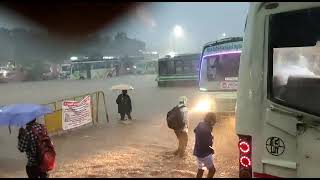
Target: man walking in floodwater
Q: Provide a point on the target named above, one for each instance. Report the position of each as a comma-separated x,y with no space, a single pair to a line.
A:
124,105
203,149
178,121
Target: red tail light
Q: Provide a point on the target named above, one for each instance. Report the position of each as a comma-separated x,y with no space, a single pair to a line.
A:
244,147
245,161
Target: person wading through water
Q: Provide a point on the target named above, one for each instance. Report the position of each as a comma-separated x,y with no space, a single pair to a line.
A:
177,119
31,141
203,149
124,105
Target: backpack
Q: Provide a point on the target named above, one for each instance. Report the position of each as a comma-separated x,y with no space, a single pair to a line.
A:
175,118
45,150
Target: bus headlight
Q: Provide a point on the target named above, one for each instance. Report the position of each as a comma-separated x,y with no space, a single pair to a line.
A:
203,89
5,73
203,106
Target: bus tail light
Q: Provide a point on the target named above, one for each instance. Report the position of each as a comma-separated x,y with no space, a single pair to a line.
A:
245,161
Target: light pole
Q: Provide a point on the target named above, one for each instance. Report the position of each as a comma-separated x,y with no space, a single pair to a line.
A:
178,33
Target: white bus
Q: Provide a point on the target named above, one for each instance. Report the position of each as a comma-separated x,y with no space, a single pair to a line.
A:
278,101
94,69
219,69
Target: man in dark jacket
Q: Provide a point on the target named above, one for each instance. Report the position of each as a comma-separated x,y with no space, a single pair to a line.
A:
203,149
27,142
124,105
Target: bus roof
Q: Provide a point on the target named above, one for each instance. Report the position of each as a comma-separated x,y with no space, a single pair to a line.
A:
89,59
179,56
224,40
92,61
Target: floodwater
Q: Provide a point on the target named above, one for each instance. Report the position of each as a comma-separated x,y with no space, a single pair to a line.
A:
142,148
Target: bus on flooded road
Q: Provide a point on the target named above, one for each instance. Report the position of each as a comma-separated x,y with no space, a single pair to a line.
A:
218,76
100,68
278,100
146,67
179,69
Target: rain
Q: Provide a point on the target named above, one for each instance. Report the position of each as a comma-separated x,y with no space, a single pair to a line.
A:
42,63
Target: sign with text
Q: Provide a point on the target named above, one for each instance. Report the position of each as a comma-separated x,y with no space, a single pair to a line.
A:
76,113
224,47
229,85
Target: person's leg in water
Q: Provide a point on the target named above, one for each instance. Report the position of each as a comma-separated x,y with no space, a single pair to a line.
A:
211,172
200,173
183,143
35,172
129,116
178,135
44,175
32,172
122,116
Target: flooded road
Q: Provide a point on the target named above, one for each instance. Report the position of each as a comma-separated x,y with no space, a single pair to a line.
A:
142,148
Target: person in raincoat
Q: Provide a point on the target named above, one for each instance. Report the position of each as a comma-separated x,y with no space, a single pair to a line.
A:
124,105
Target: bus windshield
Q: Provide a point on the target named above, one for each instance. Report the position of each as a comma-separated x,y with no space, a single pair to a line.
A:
223,67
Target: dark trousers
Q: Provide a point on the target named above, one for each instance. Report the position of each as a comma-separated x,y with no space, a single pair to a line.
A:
123,114
34,172
183,141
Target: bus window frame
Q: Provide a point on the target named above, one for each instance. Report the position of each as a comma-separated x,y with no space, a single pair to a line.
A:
270,51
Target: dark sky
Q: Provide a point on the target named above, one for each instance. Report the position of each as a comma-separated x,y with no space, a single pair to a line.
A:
153,23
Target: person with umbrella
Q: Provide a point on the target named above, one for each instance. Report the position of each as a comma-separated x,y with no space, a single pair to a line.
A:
124,105
27,142
124,100
31,138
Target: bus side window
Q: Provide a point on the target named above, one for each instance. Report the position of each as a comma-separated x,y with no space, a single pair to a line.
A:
212,65
163,68
171,67
179,66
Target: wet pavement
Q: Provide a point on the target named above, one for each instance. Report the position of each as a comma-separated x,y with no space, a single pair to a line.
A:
142,148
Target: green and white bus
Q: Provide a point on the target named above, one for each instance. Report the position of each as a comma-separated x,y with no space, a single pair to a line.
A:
94,69
179,69
146,67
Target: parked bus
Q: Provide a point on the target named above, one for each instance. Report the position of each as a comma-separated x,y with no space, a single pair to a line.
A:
94,69
218,76
278,101
146,67
181,68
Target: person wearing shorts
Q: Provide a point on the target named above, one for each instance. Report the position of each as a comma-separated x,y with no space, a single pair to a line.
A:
203,149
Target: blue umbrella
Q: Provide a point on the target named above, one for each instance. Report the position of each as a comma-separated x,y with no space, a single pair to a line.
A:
21,114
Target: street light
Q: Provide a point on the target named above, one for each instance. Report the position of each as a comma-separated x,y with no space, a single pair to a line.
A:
178,31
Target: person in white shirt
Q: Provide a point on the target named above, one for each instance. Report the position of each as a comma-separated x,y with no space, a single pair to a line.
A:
182,134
